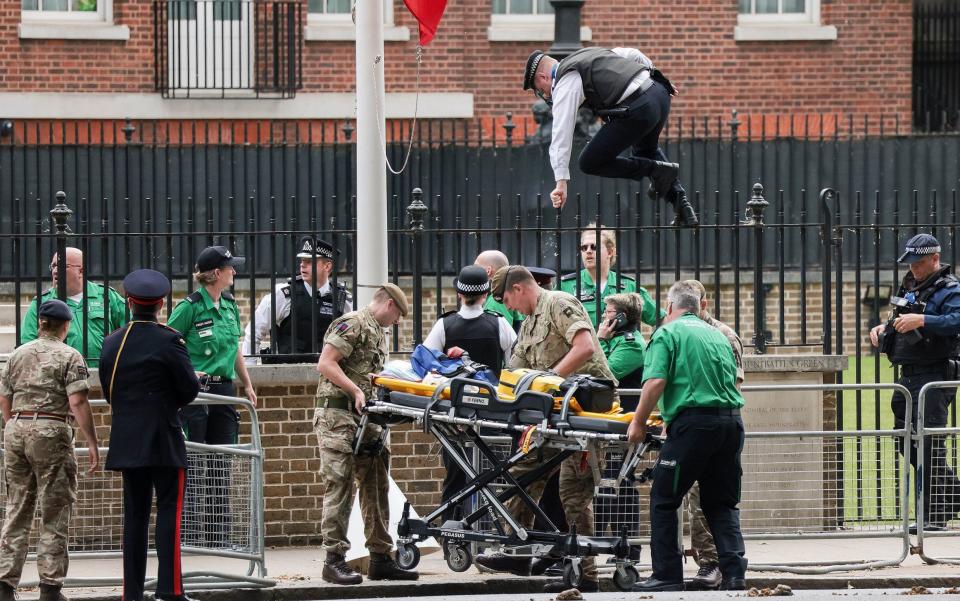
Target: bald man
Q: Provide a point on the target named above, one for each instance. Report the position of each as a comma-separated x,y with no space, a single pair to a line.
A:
491,261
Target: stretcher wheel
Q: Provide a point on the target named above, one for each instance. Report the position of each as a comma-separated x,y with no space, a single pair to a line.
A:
625,576
572,574
459,558
408,556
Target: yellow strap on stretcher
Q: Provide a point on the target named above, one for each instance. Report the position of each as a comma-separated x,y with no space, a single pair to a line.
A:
526,439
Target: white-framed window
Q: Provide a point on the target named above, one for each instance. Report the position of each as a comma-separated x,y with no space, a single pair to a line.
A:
333,20
524,21
70,19
771,20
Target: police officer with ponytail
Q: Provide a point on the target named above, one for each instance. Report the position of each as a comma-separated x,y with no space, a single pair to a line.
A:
922,337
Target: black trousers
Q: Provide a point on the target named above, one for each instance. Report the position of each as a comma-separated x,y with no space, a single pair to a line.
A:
139,485
209,497
552,506
938,485
706,449
453,482
639,132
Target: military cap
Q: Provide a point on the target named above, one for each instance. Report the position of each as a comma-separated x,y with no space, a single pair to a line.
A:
918,247
472,280
309,246
542,275
55,309
399,298
146,286
533,61
217,257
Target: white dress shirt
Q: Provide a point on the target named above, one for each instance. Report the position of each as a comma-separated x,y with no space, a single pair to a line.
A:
567,96
281,311
437,338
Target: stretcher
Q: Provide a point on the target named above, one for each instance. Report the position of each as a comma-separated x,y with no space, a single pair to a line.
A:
538,411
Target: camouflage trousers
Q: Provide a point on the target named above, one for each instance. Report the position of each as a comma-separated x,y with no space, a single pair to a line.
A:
576,495
343,474
701,538
38,465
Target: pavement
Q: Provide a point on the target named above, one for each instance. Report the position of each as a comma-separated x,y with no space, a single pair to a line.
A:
297,570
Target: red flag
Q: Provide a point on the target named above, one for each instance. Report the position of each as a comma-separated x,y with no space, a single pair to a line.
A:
428,14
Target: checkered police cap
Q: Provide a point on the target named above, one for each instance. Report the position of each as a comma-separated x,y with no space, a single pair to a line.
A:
918,247
533,61
472,280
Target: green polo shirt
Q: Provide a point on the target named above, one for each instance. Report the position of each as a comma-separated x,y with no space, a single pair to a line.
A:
624,353
512,317
212,334
97,319
588,294
697,362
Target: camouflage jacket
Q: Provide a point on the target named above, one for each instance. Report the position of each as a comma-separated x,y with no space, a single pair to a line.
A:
42,374
363,343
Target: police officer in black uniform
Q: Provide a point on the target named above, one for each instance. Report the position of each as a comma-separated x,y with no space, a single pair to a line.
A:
147,377
303,308
923,338
483,335
622,86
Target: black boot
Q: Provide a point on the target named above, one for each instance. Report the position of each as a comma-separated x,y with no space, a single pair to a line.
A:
51,592
498,562
684,216
174,598
336,571
540,565
558,586
382,567
7,592
662,177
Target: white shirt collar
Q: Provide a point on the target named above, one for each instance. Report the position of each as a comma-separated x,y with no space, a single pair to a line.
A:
471,312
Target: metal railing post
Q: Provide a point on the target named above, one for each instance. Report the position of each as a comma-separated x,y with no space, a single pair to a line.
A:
755,208
826,241
415,213
60,213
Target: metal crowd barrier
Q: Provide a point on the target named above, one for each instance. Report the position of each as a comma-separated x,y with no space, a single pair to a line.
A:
944,443
222,517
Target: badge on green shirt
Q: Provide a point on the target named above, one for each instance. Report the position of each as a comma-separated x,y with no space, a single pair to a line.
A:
212,334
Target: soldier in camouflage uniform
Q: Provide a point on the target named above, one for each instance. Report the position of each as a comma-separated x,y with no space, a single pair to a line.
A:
355,346
556,335
701,540
42,384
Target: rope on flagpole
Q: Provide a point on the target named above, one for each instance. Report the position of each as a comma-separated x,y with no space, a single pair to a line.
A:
380,113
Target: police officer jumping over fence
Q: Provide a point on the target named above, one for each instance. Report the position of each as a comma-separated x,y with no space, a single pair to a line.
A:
147,377
922,336
622,86
302,316
42,385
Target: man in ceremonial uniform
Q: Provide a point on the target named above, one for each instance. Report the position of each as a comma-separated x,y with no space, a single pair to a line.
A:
147,377
300,316
42,385
354,347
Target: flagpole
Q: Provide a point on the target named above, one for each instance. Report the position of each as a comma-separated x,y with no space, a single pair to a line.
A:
371,240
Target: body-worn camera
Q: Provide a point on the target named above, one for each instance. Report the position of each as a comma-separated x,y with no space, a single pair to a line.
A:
901,306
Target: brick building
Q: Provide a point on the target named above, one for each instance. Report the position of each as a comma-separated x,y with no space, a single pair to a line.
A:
84,59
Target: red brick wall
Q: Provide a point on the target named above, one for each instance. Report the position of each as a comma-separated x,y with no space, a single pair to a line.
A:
865,71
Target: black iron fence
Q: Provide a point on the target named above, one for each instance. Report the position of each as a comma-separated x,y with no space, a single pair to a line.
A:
936,65
228,48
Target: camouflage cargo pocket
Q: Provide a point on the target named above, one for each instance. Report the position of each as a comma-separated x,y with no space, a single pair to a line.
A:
335,429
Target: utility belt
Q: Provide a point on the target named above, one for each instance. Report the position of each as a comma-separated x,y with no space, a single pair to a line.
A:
622,110
948,369
206,381
35,415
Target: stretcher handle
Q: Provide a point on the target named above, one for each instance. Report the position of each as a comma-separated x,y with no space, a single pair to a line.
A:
434,399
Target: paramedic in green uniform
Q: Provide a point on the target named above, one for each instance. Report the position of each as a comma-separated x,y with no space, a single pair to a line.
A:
602,258
209,321
101,318
491,261
690,373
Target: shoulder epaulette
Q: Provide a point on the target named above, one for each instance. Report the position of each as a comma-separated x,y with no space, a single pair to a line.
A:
624,276
194,297
228,296
494,313
568,276
448,313
285,290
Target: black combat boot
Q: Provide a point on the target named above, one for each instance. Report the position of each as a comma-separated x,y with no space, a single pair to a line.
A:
336,571
558,586
685,216
7,592
51,592
382,567
498,562
662,177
